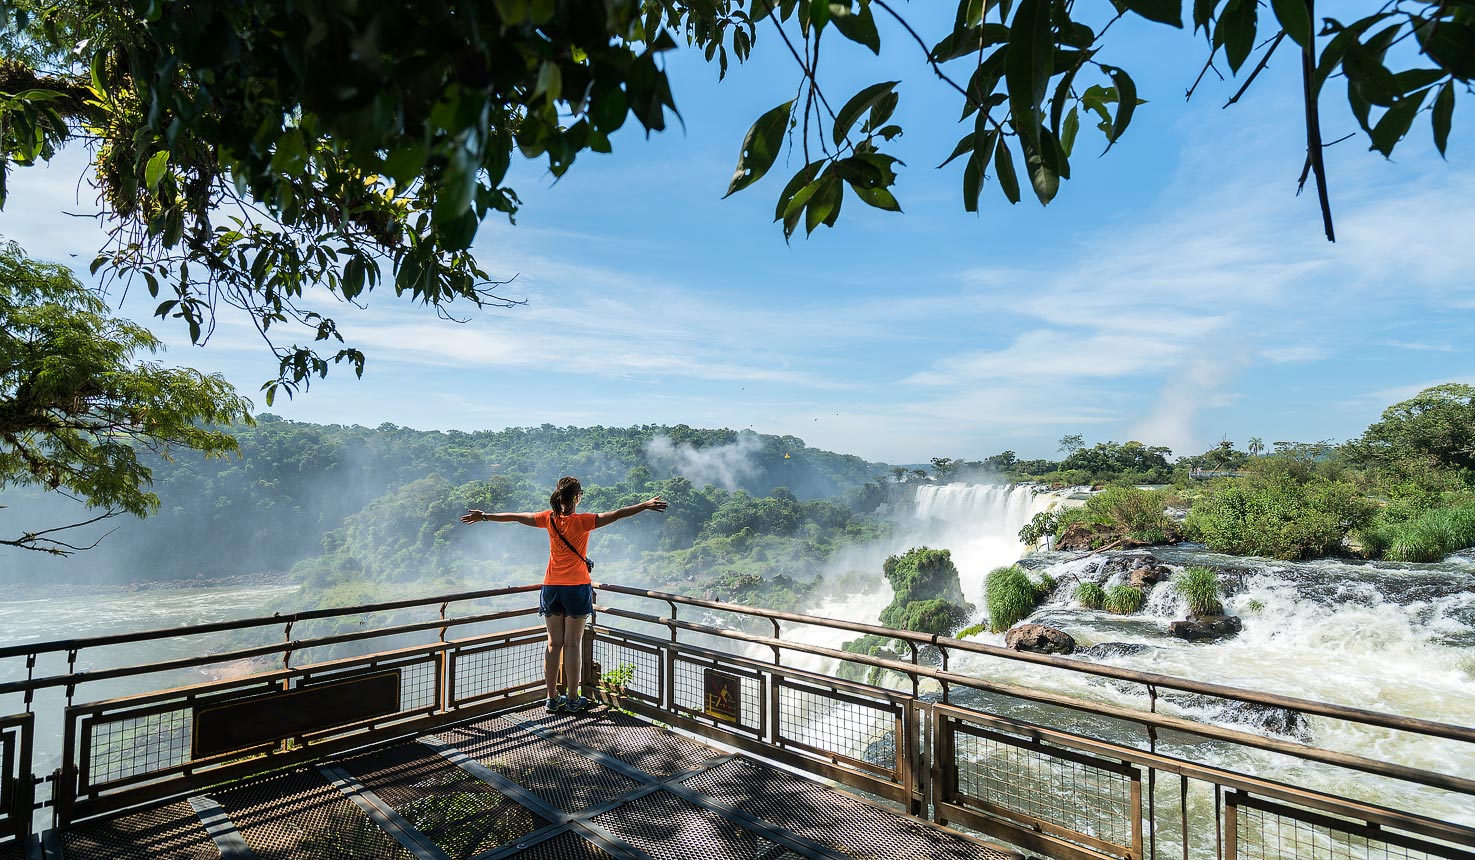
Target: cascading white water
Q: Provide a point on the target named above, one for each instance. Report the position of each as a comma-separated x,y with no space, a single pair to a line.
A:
979,523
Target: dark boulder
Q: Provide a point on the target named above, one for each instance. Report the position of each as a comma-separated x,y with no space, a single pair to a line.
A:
1106,650
1268,719
1198,629
1040,639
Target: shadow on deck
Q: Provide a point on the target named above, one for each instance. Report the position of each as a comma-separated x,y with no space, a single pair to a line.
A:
525,784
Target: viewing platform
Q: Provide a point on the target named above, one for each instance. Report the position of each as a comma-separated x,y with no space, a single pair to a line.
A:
407,730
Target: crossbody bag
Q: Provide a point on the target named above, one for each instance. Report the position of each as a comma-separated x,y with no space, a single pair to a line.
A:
566,542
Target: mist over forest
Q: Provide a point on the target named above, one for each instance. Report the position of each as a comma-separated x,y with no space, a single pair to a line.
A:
352,511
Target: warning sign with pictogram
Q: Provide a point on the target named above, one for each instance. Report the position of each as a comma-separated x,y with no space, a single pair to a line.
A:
721,696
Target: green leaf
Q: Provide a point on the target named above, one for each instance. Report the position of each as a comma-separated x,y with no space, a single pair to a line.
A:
1044,172
1126,93
1372,80
760,148
1162,11
1203,13
1336,49
1451,44
1027,66
1004,167
1236,31
1295,19
803,177
1069,130
859,104
153,172
964,145
819,13
1395,122
1444,107
881,198
857,26
825,203
973,173
797,205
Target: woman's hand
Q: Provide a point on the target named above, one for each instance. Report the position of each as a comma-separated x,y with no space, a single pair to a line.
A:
656,504
474,516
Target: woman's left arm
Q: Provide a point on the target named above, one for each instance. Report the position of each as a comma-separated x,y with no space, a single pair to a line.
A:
604,519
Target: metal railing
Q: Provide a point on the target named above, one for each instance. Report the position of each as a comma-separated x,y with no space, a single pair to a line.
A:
1074,774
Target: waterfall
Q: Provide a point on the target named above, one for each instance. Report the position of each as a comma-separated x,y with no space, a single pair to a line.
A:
979,523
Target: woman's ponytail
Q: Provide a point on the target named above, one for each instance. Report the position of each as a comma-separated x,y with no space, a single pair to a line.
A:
562,500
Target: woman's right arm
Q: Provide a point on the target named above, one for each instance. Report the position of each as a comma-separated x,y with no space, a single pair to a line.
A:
525,517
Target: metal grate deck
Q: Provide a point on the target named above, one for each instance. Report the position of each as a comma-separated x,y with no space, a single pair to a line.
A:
835,820
169,832
663,825
601,786
462,815
300,816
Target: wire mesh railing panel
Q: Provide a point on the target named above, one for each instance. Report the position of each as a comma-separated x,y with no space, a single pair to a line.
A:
1268,831
693,683
645,673
855,727
1033,782
484,672
14,810
135,744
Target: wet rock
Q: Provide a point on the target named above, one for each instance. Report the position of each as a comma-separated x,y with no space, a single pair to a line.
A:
1040,639
1148,576
1268,719
1107,650
1207,627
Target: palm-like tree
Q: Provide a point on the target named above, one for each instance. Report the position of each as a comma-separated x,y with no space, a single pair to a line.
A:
1256,446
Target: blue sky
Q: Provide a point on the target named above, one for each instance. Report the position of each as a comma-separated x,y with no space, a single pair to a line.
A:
1175,292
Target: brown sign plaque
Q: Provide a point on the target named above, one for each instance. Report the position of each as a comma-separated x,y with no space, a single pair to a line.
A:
264,719
722,696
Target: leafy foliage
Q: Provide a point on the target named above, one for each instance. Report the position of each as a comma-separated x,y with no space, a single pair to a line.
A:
1200,587
1434,429
1276,512
77,410
362,144
1118,514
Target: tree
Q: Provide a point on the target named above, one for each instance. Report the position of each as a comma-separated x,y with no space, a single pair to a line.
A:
1434,428
1256,446
945,468
1071,444
76,411
257,154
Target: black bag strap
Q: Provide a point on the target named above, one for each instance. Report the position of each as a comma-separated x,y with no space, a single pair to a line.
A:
571,548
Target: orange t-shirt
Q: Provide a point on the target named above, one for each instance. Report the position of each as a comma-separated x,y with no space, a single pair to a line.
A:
565,568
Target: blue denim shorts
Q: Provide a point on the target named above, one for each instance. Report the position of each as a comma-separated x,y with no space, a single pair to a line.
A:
576,600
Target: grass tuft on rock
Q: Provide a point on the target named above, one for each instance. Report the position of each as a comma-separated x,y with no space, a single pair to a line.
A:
1090,595
1010,597
1200,587
1124,600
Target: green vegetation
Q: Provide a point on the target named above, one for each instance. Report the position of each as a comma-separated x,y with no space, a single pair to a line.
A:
1200,587
1090,595
1117,515
374,138
1123,599
1429,536
928,596
1275,512
78,414
1010,596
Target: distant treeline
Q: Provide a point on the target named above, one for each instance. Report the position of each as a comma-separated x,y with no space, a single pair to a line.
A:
349,502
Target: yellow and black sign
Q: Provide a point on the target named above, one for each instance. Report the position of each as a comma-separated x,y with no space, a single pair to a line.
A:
722,696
